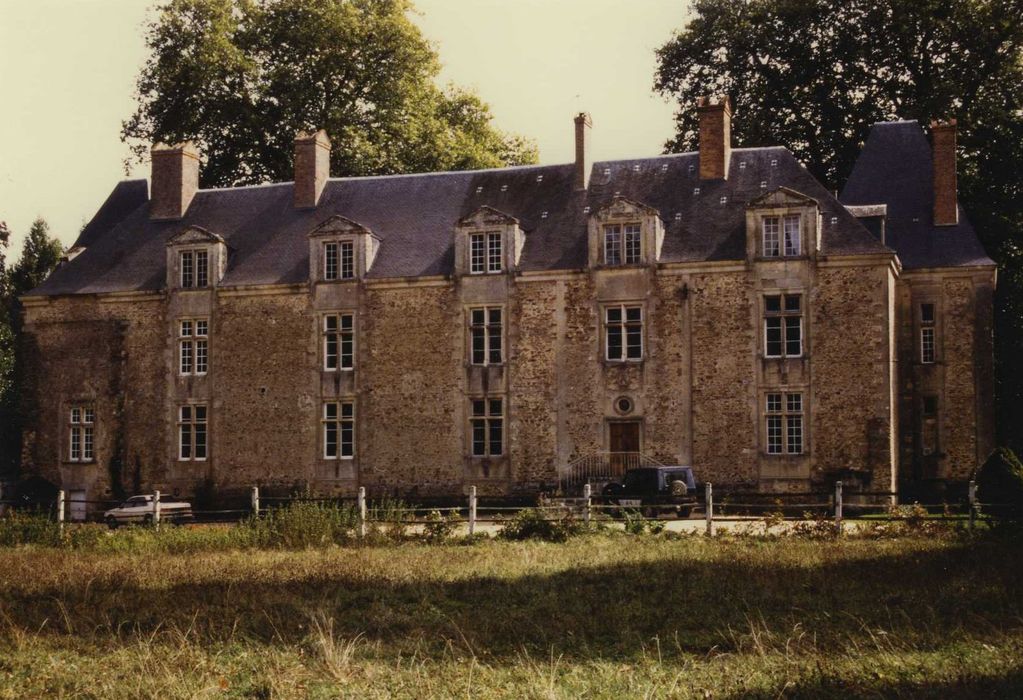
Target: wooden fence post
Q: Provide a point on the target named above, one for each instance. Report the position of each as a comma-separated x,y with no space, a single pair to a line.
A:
838,507
255,501
472,511
587,493
709,510
156,509
973,503
362,511
60,511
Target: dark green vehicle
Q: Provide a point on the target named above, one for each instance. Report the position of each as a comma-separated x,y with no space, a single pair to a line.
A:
654,491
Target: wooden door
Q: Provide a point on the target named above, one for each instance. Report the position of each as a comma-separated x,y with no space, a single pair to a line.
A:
624,445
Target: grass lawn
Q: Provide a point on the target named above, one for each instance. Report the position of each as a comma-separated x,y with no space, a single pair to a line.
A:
607,615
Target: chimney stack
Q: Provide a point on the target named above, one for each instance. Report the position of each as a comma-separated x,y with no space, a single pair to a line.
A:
943,138
583,124
312,167
174,180
715,136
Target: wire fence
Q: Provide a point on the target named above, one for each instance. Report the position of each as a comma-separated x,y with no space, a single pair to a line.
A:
710,507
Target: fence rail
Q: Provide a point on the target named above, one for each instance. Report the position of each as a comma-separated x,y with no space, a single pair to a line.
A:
715,507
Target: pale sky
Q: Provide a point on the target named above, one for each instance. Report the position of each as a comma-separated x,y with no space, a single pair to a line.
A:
68,67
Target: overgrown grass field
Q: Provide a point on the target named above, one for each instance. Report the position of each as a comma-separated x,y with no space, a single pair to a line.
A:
601,615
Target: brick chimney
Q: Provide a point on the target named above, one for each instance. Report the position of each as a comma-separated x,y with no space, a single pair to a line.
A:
583,124
943,138
312,167
715,136
174,180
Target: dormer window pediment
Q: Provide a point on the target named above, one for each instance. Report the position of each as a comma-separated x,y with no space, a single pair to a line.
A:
488,241
341,250
782,224
624,232
196,259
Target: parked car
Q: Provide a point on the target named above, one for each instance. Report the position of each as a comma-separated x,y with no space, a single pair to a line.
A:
654,490
141,509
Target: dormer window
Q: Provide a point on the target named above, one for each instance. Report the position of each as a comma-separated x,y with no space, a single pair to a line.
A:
485,253
339,260
623,244
781,235
195,269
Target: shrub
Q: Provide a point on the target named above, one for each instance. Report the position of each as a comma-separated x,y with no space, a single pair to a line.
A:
1000,485
20,527
814,526
636,524
388,520
533,524
437,528
303,524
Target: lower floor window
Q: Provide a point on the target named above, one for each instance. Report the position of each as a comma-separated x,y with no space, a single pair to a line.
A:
81,423
338,430
784,417
487,424
192,438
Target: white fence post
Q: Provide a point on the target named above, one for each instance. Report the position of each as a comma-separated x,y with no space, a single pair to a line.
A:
472,511
973,503
362,511
255,501
587,493
709,509
838,507
156,509
60,511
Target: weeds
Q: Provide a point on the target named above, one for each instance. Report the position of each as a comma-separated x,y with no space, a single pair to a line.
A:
535,524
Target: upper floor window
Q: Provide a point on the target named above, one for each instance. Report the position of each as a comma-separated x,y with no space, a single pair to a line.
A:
195,268
622,244
783,325
784,416
339,260
485,252
338,342
193,346
781,235
927,333
338,429
487,423
192,444
485,332
623,332
81,424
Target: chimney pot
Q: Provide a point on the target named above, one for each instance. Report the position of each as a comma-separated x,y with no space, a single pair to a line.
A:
943,138
174,180
715,136
583,124
312,167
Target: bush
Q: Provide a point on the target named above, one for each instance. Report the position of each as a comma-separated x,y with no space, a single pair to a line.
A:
636,524
438,528
533,524
303,524
1000,485
19,527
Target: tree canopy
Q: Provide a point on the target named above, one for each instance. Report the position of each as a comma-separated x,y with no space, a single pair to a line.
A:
813,75
241,77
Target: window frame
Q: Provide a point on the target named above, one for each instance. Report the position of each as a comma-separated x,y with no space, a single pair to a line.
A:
339,335
192,274
622,243
81,446
485,331
196,343
486,253
190,424
778,242
928,333
341,424
784,316
623,326
784,423
484,422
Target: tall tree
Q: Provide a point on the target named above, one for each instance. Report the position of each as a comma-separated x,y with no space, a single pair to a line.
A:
813,75
242,77
39,257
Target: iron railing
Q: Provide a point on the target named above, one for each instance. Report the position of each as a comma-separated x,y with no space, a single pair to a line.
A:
601,467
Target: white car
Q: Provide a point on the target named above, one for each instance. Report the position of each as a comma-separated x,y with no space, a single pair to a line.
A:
141,509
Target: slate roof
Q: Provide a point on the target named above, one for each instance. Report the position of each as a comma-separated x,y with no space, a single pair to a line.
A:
414,217
894,168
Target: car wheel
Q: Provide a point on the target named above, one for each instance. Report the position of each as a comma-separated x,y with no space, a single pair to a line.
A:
112,522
